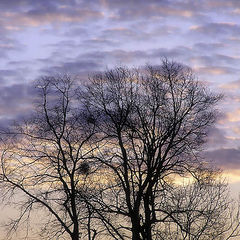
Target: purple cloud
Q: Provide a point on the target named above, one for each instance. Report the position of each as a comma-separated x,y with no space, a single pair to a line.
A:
224,158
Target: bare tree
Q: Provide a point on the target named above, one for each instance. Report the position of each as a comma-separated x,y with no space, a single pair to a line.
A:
198,210
45,163
151,124
97,161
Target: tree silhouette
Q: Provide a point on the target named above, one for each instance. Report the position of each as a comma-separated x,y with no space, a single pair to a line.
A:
45,159
101,161
151,124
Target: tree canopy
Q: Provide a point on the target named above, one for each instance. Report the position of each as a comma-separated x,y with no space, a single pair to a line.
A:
102,160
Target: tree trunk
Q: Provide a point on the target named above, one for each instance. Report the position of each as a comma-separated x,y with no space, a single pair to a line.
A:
136,234
147,233
75,236
136,228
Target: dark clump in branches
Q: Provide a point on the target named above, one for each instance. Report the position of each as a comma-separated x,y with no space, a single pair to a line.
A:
103,160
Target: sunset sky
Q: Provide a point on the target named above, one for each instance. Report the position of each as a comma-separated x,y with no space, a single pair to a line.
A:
42,37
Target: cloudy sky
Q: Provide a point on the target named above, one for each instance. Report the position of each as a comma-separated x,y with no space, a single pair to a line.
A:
42,37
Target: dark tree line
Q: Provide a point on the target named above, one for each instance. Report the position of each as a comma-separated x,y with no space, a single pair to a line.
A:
101,161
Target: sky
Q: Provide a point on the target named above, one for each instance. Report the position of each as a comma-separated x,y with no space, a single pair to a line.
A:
45,37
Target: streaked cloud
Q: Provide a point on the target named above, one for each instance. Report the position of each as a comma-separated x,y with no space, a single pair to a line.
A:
234,116
217,29
35,18
233,85
225,158
215,70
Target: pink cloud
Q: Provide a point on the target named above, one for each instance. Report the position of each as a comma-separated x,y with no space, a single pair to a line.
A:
15,20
